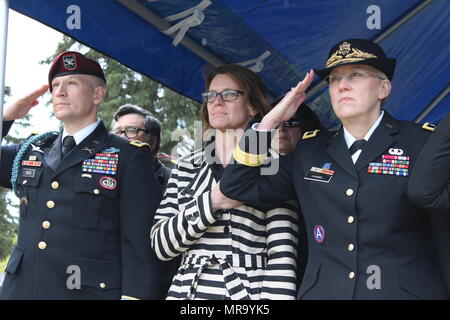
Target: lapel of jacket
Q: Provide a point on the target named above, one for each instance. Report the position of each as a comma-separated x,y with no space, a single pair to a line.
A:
52,155
86,149
337,149
379,142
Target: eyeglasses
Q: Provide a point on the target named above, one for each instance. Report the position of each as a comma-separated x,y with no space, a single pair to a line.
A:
130,132
291,124
226,95
352,77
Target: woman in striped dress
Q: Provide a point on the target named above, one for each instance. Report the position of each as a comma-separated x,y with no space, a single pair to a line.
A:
229,250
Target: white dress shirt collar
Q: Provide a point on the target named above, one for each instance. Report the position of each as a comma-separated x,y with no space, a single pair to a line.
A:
349,139
80,135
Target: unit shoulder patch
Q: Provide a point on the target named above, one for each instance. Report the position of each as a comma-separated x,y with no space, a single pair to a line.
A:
139,144
429,126
310,134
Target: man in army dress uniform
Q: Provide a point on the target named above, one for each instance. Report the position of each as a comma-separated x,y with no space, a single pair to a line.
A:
87,199
366,239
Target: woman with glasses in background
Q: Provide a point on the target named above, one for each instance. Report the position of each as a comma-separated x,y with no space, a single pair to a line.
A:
290,132
229,250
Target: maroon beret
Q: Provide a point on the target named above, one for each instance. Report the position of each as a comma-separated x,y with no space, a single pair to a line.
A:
71,62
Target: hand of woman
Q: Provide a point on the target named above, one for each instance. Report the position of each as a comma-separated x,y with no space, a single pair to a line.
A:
287,107
220,202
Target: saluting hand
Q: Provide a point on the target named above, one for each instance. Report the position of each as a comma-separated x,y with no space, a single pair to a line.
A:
287,107
21,107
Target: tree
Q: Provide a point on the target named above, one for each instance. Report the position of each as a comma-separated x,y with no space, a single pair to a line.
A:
8,223
175,112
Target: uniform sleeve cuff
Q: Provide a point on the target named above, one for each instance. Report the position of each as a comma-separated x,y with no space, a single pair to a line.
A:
6,126
253,147
248,159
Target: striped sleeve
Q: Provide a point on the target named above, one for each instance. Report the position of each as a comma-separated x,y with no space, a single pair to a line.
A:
280,276
178,226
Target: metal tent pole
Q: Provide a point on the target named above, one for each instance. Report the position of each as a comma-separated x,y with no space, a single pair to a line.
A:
161,25
444,92
4,7
411,14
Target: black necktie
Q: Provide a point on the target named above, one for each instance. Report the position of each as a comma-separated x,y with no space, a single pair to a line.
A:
68,144
357,145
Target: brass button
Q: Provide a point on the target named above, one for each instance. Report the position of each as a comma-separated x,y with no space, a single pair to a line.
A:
102,285
50,204
351,275
42,245
96,191
351,247
55,185
46,224
349,192
350,219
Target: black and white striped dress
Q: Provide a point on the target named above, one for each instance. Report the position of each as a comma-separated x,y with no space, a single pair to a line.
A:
247,253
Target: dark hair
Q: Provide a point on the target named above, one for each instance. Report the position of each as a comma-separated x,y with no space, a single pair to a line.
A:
251,84
308,119
151,124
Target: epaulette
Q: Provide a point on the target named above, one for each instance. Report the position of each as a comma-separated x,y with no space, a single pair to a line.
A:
139,144
429,126
310,134
46,139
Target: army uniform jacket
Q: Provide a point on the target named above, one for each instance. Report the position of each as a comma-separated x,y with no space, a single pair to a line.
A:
366,239
429,188
75,222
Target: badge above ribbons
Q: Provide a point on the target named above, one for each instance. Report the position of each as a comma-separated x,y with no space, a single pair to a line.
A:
393,163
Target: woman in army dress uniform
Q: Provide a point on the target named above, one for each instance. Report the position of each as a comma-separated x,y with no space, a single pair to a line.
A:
366,239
